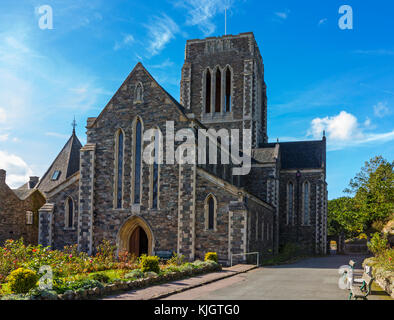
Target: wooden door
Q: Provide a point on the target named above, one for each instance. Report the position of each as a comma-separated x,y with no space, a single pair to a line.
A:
135,242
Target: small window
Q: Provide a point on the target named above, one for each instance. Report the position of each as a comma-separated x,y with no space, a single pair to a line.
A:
29,217
56,175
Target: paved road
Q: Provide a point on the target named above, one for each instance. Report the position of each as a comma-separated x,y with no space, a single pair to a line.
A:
309,279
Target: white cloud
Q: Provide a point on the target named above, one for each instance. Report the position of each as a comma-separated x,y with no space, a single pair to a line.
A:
128,39
57,135
161,31
18,172
344,130
322,21
381,109
165,64
201,13
378,52
283,15
4,137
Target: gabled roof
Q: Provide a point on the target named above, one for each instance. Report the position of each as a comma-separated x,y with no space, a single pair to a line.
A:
303,154
67,162
139,66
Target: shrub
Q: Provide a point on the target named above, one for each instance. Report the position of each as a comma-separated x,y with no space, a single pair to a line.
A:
136,273
177,260
22,280
101,277
378,244
149,263
211,256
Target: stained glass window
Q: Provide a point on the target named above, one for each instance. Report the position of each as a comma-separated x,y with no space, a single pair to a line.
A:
137,162
120,171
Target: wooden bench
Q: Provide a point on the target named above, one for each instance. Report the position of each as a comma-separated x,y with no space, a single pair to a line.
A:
362,292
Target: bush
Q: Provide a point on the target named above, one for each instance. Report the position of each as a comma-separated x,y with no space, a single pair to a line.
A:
101,277
211,256
149,263
177,260
22,280
378,244
137,273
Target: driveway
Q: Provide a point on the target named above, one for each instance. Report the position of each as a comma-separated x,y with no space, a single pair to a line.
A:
309,279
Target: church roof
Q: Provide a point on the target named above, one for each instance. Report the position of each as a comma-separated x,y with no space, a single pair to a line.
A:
64,166
23,192
266,154
302,154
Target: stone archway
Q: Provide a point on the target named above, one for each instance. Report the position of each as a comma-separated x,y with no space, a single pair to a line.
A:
136,237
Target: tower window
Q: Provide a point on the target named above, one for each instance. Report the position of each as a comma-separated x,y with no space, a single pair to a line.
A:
218,96
228,90
208,92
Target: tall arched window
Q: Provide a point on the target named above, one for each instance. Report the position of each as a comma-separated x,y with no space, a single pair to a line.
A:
119,156
69,213
306,203
137,161
290,196
155,170
210,212
228,90
208,92
218,93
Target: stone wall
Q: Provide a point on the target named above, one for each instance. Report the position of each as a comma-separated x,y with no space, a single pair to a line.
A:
311,238
13,214
62,235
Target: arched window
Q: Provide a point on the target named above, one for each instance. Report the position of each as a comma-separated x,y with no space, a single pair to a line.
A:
262,230
119,156
137,161
139,93
306,203
218,91
208,92
155,170
228,90
210,212
290,196
69,213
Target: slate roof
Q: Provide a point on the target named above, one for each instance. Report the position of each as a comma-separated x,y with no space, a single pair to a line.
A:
23,192
266,154
67,162
302,154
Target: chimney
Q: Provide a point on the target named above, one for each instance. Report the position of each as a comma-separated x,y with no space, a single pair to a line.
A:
33,182
2,176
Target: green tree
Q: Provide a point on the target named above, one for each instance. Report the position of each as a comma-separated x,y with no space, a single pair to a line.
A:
373,190
343,218
371,200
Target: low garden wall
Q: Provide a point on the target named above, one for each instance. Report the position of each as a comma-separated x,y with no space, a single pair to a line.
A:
383,277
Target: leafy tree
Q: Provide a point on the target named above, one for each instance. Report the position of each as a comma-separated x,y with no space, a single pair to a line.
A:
343,218
373,190
372,202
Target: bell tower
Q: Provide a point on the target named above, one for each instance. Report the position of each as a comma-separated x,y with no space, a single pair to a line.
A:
223,84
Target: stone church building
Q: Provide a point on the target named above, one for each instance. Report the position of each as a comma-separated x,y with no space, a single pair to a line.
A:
104,189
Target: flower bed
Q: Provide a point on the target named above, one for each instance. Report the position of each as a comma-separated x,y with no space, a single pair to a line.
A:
79,276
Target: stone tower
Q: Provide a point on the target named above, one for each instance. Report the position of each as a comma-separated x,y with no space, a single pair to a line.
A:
223,84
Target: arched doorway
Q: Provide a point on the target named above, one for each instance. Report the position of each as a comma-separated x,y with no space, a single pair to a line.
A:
138,243
135,236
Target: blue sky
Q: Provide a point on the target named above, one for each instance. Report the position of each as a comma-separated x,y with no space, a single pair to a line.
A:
318,76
